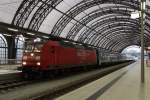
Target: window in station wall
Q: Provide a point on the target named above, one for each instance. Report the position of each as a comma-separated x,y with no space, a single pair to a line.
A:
3,50
19,45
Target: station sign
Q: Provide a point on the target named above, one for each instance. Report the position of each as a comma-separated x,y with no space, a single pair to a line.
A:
147,48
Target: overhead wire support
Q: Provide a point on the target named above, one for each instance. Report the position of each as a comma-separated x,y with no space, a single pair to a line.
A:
142,41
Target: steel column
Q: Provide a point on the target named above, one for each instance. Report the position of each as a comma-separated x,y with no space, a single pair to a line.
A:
142,42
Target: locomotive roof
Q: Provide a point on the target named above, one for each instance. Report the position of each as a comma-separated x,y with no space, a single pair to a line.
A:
73,45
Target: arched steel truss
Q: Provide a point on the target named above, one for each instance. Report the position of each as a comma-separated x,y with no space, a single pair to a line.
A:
3,48
90,37
42,13
101,23
96,14
24,11
147,25
125,37
81,7
26,8
108,24
4,42
107,43
127,34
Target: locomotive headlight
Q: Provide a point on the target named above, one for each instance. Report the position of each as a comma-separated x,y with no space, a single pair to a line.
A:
32,54
38,63
24,63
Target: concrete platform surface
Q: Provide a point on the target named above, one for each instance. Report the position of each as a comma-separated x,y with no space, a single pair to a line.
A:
8,71
123,84
10,67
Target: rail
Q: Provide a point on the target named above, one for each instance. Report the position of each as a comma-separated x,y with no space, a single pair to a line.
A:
49,88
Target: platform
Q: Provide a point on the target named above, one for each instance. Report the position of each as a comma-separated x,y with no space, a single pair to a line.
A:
10,67
123,84
8,72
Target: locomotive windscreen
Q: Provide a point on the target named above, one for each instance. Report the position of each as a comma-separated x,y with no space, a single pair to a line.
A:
33,47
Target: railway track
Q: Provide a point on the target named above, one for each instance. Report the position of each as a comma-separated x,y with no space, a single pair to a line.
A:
11,85
50,95
56,86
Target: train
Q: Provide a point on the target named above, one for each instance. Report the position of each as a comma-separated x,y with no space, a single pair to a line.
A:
50,55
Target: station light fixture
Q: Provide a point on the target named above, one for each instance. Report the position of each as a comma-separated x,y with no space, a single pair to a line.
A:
7,34
135,15
30,33
66,41
45,37
12,29
37,40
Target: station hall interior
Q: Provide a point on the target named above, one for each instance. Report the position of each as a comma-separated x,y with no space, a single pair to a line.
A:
74,49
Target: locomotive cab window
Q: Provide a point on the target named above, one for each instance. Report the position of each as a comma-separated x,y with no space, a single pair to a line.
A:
38,47
33,47
29,47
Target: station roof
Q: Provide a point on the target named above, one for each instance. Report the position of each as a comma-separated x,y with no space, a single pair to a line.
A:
102,23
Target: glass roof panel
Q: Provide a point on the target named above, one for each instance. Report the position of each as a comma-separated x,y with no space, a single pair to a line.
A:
55,14
8,9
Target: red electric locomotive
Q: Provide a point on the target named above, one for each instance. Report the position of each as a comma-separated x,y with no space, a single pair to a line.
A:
53,55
